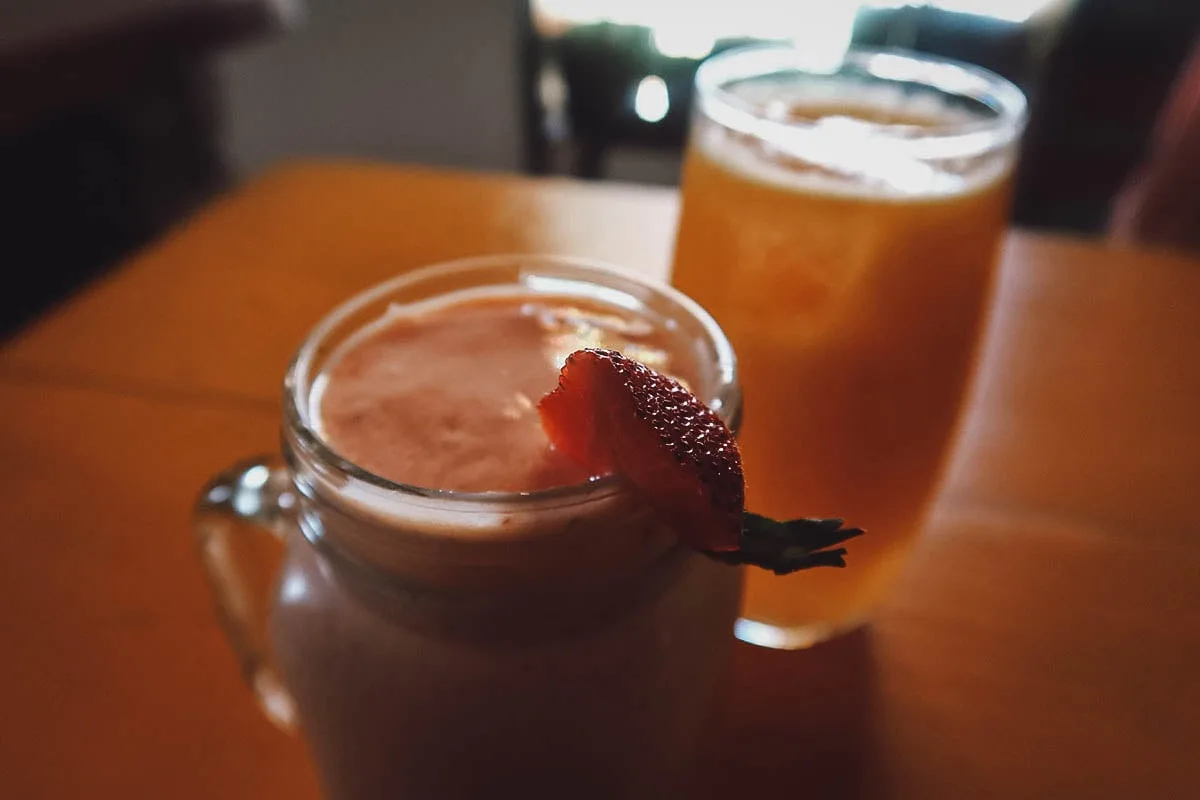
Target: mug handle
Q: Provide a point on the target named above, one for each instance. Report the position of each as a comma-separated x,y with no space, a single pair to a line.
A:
241,519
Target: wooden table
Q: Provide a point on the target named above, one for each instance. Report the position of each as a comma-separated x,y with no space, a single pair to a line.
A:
1044,642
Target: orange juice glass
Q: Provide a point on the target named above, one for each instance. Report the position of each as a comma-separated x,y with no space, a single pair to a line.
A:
842,225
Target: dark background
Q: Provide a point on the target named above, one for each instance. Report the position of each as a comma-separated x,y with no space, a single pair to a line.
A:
120,117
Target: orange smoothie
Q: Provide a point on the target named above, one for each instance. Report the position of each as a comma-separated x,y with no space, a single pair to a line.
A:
854,300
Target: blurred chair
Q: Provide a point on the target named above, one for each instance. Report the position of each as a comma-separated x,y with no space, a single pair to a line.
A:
593,87
598,77
109,125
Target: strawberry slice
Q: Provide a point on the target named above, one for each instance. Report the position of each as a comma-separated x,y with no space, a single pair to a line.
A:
611,414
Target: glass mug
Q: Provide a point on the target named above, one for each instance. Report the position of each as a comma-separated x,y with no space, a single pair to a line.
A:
842,225
431,643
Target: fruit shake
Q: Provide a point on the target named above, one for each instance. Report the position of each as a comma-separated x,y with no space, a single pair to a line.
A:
512,515
515,626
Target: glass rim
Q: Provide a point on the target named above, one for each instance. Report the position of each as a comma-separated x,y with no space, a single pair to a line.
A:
725,396
893,65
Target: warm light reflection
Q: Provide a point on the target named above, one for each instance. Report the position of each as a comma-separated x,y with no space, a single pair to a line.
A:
294,588
256,477
652,100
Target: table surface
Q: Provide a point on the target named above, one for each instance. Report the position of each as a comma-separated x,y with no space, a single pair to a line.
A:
1044,642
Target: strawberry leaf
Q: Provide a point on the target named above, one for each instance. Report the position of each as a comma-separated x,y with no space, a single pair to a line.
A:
785,547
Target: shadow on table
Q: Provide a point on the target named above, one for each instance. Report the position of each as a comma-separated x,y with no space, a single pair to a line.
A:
798,723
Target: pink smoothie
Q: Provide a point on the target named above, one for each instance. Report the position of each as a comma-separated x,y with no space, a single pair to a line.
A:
539,647
447,397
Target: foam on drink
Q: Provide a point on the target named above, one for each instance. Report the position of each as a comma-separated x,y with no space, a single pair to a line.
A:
443,394
840,147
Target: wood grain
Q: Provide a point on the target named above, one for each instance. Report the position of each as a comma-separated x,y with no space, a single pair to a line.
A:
116,682
1044,641
221,305
1086,400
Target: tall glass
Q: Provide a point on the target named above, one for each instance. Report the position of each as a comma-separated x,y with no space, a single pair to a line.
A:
842,225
